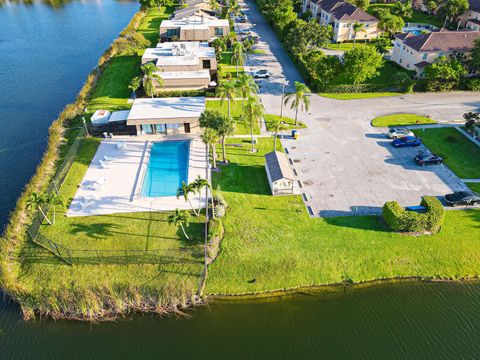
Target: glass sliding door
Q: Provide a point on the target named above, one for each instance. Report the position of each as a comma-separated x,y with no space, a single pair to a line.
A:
147,129
160,128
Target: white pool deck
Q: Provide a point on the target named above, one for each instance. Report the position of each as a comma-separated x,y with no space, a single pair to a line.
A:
124,178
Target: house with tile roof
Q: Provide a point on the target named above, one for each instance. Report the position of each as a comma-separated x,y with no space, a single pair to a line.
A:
341,15
415,52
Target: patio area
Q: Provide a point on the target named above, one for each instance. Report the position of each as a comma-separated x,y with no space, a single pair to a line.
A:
114,178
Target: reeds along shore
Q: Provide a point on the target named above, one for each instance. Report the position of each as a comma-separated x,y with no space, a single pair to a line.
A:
16,230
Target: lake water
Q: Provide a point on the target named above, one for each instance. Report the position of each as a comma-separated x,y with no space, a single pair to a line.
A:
45,55
409,320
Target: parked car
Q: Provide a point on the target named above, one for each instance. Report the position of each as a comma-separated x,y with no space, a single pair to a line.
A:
426,158
250,37
244,32
395,133
261,74
407,141
462,198
241,19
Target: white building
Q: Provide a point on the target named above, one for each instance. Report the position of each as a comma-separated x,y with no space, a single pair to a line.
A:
280,175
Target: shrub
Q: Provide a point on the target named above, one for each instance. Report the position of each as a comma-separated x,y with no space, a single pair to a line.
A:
399,219
472,84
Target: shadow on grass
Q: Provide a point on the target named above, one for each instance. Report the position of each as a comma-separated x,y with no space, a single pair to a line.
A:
237,178
97,230
366,222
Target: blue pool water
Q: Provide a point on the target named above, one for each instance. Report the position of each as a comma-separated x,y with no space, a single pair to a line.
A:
167,168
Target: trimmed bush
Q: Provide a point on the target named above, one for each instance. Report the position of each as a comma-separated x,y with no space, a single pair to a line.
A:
399,219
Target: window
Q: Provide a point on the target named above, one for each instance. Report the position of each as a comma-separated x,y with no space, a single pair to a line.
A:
408,66
367,25
400,61
173,126
206,64
173,32
147,129
160,128
218,31
425,56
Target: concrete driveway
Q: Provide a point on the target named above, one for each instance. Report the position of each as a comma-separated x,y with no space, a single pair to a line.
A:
346,166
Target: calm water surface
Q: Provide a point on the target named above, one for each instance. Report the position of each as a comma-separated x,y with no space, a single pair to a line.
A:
396,321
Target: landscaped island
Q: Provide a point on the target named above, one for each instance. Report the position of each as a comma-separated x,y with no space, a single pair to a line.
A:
103,266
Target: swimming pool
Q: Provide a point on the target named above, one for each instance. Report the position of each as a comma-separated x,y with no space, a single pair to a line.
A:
167,168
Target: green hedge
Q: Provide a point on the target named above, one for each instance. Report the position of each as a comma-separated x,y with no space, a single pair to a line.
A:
353,88
185,93
399,219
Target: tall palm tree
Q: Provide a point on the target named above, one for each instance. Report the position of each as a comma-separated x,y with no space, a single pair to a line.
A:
149,78
135,84
226,90
225,126
238,55
198,184
35,202
210,137
403,9
184,191
298,98
220,46
214,5
357,27
247,86
276,125
252,113
55,199
233,7
182,218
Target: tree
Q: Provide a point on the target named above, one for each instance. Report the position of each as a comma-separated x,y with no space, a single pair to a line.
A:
403,9
223,125
230,38
150,76
323,69
280,12
357,27
298,98
251,115
226,90
276,125
362,63
444,74
472,120
185,191
54,200
182,218
475,61
35,202
432,6
135,84
233,7
210,137
246,85
214,5
363,4
198,184
392,24
381,44
161,3
403,80
238,55
220,46
304,37
454,8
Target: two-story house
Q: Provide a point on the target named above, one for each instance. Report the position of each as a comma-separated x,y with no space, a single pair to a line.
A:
415,52
193,28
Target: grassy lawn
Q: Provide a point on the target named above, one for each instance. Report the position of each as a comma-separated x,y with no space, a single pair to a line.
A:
236,110
474,186
228,66
401,120
417,16
289,121
459,153
353,96
271,243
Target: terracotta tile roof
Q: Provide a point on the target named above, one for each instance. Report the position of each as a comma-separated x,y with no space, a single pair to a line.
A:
443,41
342,10
422,64
404,36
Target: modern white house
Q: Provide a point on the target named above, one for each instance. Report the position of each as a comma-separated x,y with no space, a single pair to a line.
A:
280,175
166,115
194,28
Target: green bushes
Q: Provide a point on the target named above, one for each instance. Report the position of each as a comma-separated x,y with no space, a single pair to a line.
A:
399,219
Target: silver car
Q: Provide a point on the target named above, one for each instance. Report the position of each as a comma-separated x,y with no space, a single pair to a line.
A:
396,133
261,74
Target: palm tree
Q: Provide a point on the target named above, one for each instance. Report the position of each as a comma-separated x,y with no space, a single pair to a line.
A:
55,199
226,90
403,9
277,125
135,84
214,5
246,85
198,184
238,55
35,202
233,7
210,137
182,218
357,27
230,38
149,78
184,191
252,113
225,126
220,46
299,98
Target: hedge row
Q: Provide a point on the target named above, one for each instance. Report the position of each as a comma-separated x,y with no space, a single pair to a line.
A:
399,219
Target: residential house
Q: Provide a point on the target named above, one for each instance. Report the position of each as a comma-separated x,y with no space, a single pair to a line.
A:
166,115
415,52
183,65
341,15
193,28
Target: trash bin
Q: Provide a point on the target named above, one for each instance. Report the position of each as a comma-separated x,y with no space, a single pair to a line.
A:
295,134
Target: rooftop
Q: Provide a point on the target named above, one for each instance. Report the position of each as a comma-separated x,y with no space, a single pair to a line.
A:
166,108
443,41
278,166
194,22
200,74
342,10
178,53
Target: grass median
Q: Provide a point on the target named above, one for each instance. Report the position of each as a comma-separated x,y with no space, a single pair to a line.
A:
271,243
401,120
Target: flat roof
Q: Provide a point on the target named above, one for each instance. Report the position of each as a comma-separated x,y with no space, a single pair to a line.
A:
178,53
166,108
121,115
194,22
200,74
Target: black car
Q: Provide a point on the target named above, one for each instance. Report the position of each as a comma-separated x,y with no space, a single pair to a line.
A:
423,159
462,198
